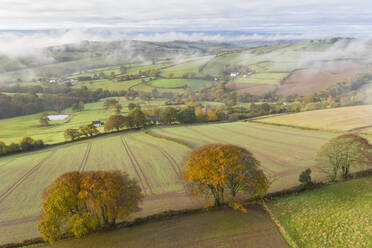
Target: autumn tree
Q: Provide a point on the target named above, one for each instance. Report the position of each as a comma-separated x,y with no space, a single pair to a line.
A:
187,115
199,113
137,119
78,107
89,130
117,108
71,134
116,122
28,143
44,120
168,115
211,115
343,153
224,170
131,106
78,203
109,103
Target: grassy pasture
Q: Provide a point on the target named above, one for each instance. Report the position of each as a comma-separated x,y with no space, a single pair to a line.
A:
222,228
215,66
107,84
187,67
194,84
262,78
146,87
345,118
338,215
16,128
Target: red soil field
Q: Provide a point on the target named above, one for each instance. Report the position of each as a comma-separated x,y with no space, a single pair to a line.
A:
320,77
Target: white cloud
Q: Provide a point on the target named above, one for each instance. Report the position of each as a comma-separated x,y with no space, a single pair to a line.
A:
171,15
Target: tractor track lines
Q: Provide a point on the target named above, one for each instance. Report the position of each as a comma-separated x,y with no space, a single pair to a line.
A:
270,127
275,161
7,192
171,161
265,139
228,238
85,158
169,158
137,168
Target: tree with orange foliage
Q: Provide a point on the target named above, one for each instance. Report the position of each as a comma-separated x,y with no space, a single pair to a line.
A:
78,203
216,170
211,115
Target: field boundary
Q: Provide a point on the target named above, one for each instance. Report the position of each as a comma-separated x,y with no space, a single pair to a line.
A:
297,127
181,142
281,228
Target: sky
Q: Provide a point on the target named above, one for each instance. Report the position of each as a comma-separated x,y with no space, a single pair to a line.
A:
29,24
192,15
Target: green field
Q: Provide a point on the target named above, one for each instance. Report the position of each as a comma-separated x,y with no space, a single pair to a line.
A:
29,125
221,228
154,162
107,84
262,78
346,118
284,153
187,67
216,65
194,84
338,215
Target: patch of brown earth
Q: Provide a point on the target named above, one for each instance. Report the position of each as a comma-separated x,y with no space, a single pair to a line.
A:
319,77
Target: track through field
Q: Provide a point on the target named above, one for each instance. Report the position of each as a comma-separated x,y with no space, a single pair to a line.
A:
137,168
173,164
85,158
265,139
272,160
7,192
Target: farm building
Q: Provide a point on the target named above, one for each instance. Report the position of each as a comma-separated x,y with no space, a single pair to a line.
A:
98,123
154,118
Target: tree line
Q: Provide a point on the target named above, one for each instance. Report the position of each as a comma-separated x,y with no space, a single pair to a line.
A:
53,98
23,145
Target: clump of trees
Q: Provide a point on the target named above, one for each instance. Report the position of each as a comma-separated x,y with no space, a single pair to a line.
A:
116,122
72,134
220,172
24,144
89,130
78,203
305,178
343,153
135,119
44,120
28,100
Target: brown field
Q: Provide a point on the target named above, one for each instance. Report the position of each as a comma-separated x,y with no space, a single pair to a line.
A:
319,77
221,228
254,89
354,118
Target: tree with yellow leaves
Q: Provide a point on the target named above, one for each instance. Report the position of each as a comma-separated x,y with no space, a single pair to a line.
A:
218,171
78,203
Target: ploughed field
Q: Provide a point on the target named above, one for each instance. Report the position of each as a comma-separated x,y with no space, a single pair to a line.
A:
155,162
221,228
355,118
